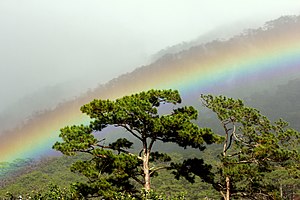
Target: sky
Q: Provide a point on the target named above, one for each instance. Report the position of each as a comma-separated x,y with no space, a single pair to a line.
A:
89,42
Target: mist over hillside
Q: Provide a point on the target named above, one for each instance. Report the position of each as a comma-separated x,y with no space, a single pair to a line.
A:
18,111
172,64
221,33
46,98
183,71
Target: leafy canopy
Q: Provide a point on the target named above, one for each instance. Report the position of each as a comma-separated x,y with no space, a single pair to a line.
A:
114,167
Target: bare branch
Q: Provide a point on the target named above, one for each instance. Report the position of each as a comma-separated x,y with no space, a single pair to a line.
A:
244,161
120,150
138,180
151,143
231,135
240,140
140,154
103,147
127,152
235,154
153,169
222,193
129,130
228,139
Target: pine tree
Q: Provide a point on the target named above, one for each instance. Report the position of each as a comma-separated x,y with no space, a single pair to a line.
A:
114,167
253,148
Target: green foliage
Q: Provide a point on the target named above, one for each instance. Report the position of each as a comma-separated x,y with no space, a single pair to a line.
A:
15,168
151,195
53,192
54,170
114,168
253,148
169,186
57,172
259,159
191,167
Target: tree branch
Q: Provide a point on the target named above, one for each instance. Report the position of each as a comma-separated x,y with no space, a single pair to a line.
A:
231,135
244,161
85,151
129,130
127,152
138,180
223,195
158,168
235,154
240,140
151,143
120,150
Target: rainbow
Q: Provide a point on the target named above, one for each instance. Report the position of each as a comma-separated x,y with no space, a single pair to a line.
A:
250,60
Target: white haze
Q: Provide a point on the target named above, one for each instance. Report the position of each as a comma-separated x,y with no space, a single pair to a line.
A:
78,44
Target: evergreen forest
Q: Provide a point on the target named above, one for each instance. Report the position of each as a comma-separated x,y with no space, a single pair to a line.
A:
155,147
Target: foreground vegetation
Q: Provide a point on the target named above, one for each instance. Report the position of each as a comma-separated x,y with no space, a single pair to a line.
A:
243,163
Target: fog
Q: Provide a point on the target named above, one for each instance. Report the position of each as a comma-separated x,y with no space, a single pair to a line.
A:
78,44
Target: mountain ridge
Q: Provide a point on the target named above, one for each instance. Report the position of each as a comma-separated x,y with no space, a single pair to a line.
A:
172,70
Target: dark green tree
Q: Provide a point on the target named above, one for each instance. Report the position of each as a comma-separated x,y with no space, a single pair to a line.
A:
114,167
253,149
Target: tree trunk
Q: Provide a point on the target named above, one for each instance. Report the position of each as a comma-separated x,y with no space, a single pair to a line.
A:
226,145
146,169
281,191
227,188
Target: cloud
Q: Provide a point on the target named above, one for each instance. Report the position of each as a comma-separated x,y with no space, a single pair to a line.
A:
49,42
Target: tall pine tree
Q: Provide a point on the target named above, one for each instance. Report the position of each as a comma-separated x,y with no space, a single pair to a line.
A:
114,167
253,148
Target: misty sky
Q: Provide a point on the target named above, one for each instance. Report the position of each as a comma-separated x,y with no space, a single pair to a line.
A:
48,42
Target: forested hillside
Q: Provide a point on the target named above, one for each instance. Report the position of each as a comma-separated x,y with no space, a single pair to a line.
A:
38,177
281,102
275,96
